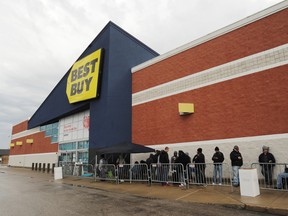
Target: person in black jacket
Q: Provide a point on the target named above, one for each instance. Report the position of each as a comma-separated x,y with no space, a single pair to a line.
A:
183,159
199,160
156,157
236,162
218,159
267,162
174,167
153,166
149,160
164,166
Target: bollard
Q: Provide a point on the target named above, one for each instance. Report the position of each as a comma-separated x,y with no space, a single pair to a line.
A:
32,166
44,166
39,166
53,166
48,167
36,166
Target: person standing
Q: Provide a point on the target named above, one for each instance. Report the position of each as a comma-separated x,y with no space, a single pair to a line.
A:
174,167
218,159
155,166
164,166
149,160
199,160
183,159
236,162
122,169
120,160
102,167
174,157
156,157
135,170
267,163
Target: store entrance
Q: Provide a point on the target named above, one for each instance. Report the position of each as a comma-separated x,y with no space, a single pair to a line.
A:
68,157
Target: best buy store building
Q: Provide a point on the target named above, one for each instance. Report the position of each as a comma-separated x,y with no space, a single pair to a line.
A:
232,85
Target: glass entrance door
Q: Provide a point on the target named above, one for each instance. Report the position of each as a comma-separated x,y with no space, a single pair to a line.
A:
68,157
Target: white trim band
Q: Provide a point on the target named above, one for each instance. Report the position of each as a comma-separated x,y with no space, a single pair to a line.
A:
36,154
26,160
220,141
25,133
258,62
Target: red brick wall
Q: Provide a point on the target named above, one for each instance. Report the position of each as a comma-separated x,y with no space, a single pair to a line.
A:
252,105
41,144
261,35
20,127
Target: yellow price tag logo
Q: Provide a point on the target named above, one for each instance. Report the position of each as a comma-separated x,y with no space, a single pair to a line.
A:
83,79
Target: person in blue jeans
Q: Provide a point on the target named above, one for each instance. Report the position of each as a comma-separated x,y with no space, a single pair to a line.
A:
282,176
236,162
218,159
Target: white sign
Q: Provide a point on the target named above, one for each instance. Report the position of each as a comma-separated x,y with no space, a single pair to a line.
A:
249,185
58,173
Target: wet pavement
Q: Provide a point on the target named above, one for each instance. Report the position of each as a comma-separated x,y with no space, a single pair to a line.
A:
25,192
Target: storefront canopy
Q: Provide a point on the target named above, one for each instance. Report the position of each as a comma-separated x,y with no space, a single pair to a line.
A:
125,147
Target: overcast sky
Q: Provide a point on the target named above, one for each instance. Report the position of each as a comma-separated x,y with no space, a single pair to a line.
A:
41,39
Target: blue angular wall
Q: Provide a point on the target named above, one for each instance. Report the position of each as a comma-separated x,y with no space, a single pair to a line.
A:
111,113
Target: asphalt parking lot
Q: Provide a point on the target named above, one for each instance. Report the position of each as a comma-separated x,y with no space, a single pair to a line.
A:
26,193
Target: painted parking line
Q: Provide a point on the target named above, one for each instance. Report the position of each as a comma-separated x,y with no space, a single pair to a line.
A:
186,195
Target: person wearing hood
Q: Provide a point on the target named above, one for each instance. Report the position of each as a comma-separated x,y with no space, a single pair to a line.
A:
236,163
267,162
174,167
174,157
183,159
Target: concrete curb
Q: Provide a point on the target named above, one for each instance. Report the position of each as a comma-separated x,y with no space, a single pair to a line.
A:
269,210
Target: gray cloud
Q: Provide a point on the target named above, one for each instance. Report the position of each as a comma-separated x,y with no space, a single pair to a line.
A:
41,39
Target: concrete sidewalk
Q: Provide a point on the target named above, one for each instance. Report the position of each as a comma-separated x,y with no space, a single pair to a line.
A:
271,201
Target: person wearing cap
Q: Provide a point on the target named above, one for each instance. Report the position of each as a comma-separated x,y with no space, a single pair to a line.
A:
236,162
199,160
267,162
218,159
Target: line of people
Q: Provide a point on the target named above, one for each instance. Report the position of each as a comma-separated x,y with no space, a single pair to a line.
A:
161,157
266,160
